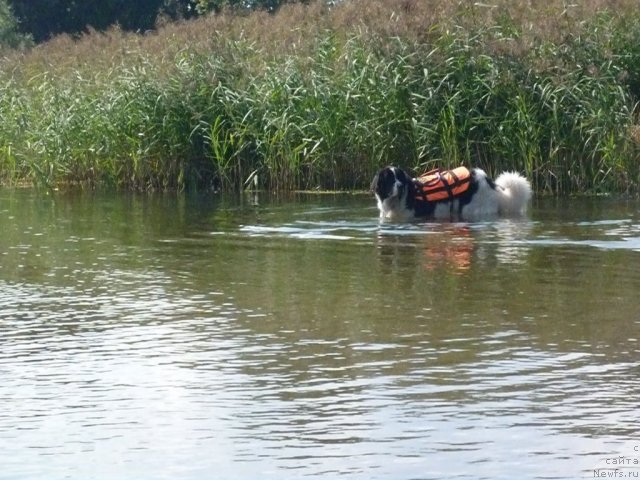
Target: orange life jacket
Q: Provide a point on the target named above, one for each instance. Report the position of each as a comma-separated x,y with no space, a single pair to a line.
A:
439,184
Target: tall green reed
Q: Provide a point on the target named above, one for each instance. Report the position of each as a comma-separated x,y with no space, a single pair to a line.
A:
330,112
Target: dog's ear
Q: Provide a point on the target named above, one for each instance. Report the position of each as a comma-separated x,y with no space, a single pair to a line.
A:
374,183
381,178
402,176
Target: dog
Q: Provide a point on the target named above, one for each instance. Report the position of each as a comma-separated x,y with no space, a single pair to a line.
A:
462,193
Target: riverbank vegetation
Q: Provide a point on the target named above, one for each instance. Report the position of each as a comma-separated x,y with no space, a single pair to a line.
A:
320,96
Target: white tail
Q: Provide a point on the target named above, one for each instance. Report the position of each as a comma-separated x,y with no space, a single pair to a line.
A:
515,194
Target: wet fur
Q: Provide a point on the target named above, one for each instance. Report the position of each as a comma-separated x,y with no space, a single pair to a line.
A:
395,192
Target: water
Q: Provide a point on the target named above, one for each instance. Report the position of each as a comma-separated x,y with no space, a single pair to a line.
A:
205,337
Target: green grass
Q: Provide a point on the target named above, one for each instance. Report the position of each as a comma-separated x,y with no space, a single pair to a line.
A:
548,91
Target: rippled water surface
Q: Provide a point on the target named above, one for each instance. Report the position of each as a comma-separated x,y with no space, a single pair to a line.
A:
206,337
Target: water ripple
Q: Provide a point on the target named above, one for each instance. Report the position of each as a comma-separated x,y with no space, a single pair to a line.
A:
219,347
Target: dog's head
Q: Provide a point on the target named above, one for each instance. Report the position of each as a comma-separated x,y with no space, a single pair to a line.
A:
389,182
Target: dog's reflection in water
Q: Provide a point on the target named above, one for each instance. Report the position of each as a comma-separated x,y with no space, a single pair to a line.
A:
454,248
450,249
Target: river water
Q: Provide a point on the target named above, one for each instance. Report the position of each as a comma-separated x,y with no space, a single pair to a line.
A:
266,337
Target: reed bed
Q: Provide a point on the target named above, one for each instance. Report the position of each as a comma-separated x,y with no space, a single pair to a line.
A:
546,89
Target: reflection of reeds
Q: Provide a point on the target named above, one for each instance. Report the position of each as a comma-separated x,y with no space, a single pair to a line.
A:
548,90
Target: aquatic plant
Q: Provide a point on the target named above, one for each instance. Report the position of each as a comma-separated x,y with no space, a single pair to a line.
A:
550,91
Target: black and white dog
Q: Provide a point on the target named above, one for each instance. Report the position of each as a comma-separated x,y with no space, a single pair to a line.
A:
402,198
